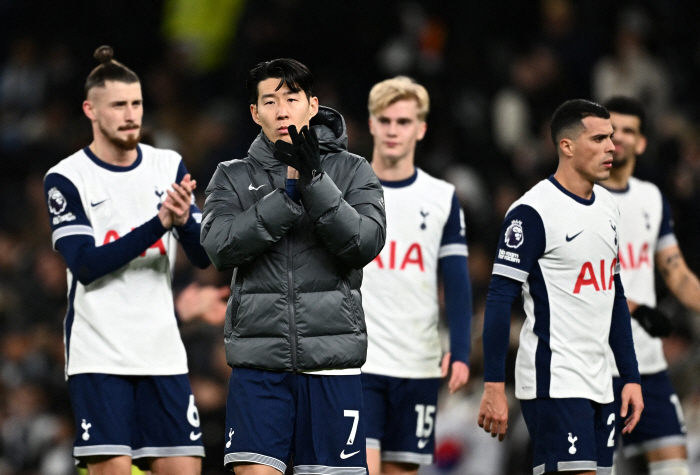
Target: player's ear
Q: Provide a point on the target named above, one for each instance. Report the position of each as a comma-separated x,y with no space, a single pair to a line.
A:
566,146
313,106
254,113
641,145
422,129
370,122
88,109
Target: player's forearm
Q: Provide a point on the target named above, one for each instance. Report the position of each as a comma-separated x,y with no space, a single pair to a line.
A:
88,262
686,287
188,237
458,305
354,233
234,239
496,335
620,339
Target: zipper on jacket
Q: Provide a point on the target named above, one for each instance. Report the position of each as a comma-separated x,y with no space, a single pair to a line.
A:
348,295
290,299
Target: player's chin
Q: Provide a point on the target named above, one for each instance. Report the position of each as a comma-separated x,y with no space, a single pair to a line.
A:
392,153
284,137
603,175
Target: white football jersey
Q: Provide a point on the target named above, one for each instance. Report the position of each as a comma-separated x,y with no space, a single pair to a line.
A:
399,288
564,250
123,322
645,229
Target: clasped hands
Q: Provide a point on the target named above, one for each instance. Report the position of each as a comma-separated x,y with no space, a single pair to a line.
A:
175,210
303,154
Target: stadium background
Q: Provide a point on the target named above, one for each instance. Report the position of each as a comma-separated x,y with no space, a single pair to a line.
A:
495,72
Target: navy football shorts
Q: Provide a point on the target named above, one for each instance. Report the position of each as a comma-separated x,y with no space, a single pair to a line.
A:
318,420
661,424
401,417
138,416
570,434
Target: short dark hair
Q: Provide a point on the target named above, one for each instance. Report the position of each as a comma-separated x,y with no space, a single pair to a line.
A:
628,106
108,70
291,72
570,115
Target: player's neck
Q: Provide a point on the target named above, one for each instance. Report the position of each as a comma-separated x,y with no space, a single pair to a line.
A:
617,181
111,154
389,169
573,182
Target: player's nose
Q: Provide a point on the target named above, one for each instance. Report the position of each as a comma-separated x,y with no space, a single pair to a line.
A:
129,114
610,145
282,111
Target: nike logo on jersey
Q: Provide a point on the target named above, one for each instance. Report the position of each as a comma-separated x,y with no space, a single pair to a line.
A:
343,455
569,239
422,443
194,436
98,203
252,188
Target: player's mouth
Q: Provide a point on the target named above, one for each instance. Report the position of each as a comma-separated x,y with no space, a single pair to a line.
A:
129,127
283,130
608,164
391,144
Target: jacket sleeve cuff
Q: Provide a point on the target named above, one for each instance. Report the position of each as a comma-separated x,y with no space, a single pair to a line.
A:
320,196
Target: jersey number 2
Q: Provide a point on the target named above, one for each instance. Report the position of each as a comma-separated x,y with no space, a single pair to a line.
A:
611,439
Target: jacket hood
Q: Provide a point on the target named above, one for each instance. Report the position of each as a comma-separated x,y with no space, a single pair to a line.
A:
330,129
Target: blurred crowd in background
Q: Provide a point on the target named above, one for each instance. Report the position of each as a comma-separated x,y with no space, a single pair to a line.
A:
495,72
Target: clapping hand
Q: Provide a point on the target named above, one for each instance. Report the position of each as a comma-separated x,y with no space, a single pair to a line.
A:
303,154
175,210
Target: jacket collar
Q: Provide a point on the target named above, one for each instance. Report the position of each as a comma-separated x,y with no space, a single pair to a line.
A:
330,129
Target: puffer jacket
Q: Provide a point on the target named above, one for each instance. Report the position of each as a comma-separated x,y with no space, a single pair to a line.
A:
295,295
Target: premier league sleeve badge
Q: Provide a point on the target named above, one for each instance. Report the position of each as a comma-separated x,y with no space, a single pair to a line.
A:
514,234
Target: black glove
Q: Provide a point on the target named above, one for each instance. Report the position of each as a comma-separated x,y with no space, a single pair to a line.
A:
654,322
303,154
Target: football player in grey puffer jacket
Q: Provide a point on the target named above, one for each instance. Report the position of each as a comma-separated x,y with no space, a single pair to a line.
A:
298,240
298,266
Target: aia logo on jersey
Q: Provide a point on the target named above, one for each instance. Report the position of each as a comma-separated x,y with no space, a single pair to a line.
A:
113,236
595,276
412,256
514,234
628,260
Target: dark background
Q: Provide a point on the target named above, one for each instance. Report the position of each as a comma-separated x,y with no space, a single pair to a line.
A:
495,72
